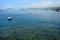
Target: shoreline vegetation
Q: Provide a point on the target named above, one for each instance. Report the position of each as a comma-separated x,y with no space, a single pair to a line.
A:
55,9
58,9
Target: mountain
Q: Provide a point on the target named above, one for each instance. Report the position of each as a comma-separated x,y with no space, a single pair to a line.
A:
22,9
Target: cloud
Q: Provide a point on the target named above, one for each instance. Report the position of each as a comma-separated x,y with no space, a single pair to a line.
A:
8,6
42,4
36,5
46,4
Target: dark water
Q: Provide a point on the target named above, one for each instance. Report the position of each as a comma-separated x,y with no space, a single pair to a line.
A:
39,25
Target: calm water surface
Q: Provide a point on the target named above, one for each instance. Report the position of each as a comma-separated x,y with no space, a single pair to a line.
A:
39,25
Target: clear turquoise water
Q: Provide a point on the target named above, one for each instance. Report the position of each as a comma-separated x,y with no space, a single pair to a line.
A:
40,25
24,18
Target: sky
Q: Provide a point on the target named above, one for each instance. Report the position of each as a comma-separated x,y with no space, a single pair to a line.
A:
4,4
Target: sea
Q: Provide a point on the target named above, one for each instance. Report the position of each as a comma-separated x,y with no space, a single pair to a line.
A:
30,25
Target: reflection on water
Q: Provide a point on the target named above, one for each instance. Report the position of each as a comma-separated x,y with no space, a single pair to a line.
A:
40,25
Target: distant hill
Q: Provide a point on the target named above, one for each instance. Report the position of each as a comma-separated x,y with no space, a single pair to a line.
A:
58,9
47,8
54,8
1,10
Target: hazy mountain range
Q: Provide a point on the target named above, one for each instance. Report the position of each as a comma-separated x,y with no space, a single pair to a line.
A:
47,8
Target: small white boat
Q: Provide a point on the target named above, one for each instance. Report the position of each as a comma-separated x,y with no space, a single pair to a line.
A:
9,17
30,13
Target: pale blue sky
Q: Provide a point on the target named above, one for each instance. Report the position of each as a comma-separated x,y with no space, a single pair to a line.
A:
28,3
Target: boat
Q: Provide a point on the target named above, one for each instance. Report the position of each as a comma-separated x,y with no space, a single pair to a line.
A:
9,17
30,13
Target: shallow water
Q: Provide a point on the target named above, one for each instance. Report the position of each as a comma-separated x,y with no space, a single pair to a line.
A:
39,25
